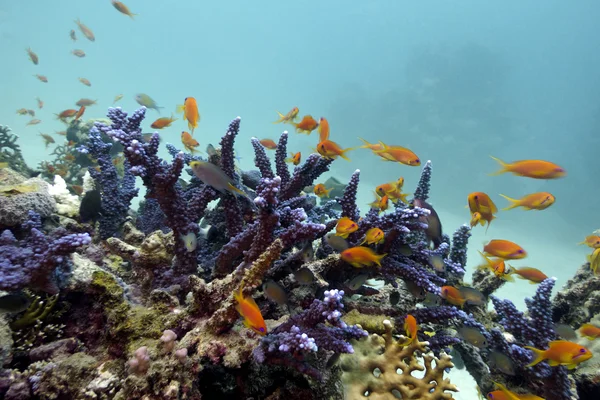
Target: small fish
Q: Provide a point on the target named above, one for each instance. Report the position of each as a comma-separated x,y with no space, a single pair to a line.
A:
117,98
594,260
294,158
247,308
78,53
85,81
497,266
565,331
85,102
268,143
381,203
22,111
69,113
472,296
40,103
373,236
122,8
356,282
33,122
288,118
189,142
398,154
410,328
336,242
431,300
163,122
371,146
274,292
481,203
344,227
434,225
505,394
72,35
475,219
14,302
589,331
213,176
31,113
502,363
453,296
306,125
360,256
592,241
91,206
332,150
321,191
437,263
534,201
190,241
42,78
79,113
87,32
147,101
32,56
533,275
536,169
504,249
304,276
210,150
473,336
323,129
189,108
47,139
560,352
417,291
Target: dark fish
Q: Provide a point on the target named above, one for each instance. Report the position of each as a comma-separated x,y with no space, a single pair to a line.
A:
501,362
14,302
565,331
91,206
434,225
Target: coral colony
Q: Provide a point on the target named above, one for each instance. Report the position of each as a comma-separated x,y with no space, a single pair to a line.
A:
231,284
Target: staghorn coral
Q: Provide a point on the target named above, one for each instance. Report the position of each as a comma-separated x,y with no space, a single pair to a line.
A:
372,371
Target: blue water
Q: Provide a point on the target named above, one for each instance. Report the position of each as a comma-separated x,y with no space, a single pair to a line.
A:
455,81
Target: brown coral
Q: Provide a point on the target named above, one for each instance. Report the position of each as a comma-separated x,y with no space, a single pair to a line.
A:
380,369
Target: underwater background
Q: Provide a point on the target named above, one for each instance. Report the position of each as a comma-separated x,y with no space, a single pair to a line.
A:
454,81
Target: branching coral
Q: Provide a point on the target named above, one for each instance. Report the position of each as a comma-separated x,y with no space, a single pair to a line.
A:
381,369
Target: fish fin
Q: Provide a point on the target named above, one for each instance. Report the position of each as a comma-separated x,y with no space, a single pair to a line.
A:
571,366
367,144
235,190
502,164
538,356
281,117
553,363
180,108
514,203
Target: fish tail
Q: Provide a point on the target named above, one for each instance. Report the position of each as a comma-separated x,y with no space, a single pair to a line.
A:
514,203
281,117
180,108
502,164
367,144
538,356
378,259
236,190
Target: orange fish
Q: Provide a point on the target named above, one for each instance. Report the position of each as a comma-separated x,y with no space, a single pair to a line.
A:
22,111
163,122
534,201
381,203
190,112
497,266
86,82
294,158
47,139
87,32
323,129
66,114
306,125
536,169
453,296
189,142
269,144
360,257
392,191
373,236
34,121
40,103
505,394
69,158
42,78
594,260
77,189
479,202
288,118
411,328
592,241
372,146
78,53
589,331
344,227
248,309
122,8
561,352
329,149
533,275
398,154
321,191
504,249
32,56
79,113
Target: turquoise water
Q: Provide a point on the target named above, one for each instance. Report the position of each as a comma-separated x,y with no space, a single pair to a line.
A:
454,81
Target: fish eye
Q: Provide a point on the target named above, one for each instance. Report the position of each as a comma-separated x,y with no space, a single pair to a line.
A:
417,160
519,251
476,197
582,350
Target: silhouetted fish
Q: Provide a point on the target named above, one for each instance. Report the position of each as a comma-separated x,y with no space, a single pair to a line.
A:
434,225
14,302
91,206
